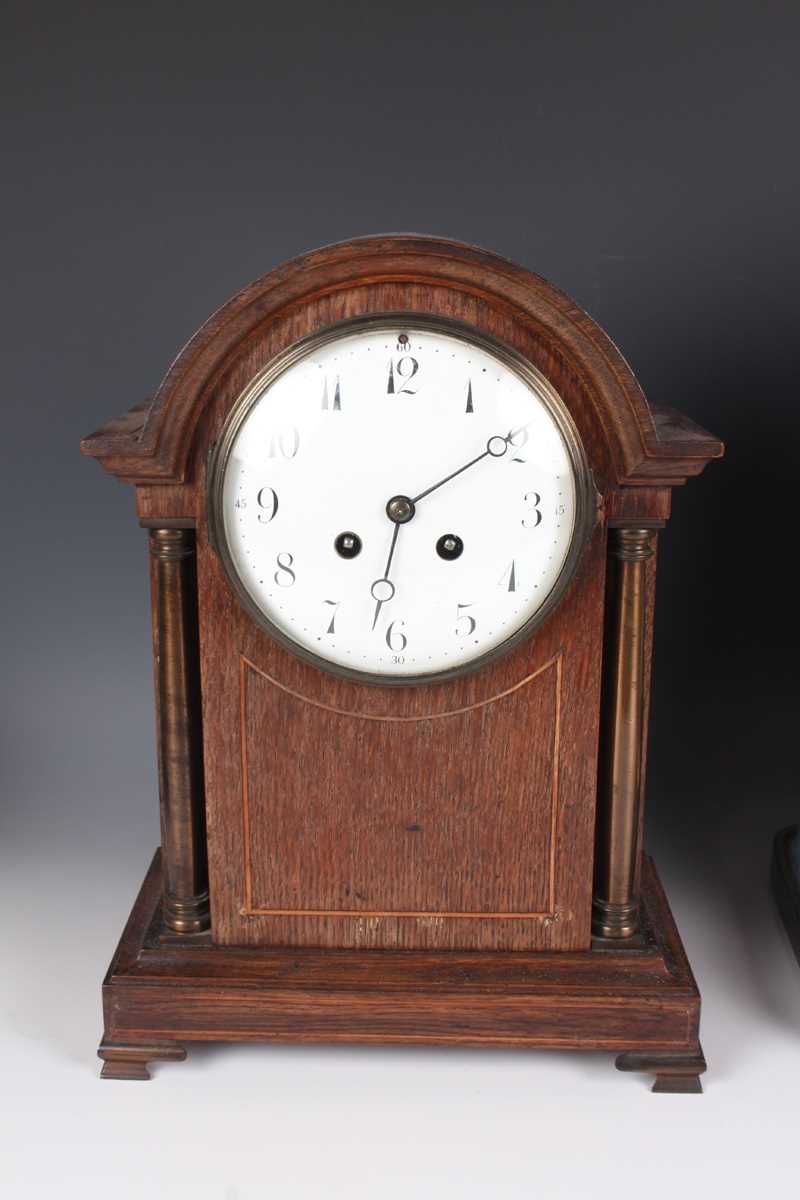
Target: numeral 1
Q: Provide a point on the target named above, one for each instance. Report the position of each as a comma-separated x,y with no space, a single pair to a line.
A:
337,397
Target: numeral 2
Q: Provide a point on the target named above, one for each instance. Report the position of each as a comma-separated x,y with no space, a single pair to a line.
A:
517,440
337,397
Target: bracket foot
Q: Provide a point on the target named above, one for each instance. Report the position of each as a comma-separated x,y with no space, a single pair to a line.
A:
129,1060
674,1072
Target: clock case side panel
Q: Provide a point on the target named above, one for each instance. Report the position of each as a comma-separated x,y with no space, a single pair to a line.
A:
228,634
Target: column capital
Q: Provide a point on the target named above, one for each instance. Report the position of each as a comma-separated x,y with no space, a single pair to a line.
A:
632,544
171,544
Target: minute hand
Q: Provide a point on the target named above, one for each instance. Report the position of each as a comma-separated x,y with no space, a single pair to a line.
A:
495,448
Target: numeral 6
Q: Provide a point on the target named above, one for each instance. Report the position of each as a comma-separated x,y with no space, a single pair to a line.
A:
396,640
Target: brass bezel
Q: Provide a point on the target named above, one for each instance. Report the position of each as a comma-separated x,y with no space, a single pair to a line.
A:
585,492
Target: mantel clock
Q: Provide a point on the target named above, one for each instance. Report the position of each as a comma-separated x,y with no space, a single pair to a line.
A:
402,499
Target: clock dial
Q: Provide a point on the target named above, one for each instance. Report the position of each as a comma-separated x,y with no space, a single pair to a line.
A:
399,501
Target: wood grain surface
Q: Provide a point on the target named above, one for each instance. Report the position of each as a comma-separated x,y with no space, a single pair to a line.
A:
404,863
159,996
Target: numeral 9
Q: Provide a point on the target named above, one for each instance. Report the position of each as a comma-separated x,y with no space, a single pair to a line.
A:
267,499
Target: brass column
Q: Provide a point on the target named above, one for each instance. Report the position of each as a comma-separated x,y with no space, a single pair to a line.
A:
616,899
179,728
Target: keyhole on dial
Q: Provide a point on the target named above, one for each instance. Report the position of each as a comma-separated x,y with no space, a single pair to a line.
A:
348,544
449,546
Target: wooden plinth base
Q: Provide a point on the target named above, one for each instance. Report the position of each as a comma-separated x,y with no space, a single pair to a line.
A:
161,992
786,883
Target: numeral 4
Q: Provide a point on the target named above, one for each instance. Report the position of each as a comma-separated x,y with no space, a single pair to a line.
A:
510,575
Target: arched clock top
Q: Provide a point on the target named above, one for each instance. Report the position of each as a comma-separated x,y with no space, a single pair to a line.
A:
630,442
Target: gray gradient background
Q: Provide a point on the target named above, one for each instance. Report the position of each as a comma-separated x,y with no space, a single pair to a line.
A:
156,158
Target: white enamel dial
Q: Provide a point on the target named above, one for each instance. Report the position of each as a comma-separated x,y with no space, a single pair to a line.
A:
399,501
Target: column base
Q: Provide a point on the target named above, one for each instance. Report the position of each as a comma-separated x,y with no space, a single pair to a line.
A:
614,921
187,916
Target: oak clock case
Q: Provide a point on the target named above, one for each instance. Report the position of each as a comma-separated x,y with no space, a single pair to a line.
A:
403,499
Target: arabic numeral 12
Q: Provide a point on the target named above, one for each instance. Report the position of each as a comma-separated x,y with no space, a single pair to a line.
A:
400,375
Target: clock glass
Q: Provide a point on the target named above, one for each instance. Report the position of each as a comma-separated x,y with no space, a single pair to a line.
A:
399,502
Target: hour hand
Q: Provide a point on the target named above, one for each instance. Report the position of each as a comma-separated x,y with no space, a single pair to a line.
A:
382,590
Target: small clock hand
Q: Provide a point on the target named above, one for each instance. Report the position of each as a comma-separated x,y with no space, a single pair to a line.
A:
495,447
389,588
